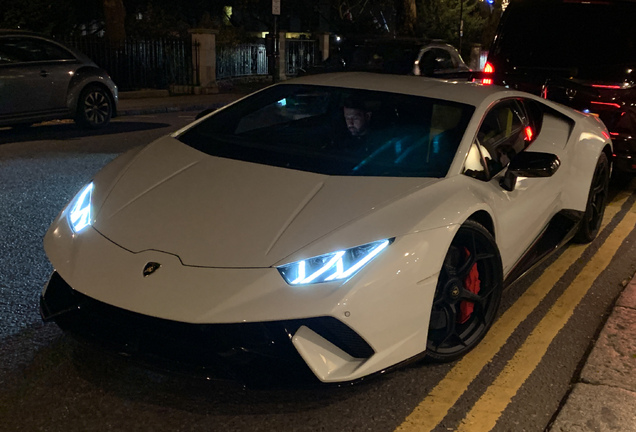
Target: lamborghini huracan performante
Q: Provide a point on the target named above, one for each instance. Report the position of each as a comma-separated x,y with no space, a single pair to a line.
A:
331,226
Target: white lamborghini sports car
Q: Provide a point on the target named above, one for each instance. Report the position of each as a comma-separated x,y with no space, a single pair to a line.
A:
333,226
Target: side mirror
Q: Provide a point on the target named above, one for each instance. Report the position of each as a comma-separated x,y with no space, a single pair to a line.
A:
529,164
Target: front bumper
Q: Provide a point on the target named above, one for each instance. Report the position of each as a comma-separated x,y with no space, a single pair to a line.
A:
254,352
387,306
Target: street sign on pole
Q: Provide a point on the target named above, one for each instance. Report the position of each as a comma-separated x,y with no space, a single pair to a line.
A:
276,58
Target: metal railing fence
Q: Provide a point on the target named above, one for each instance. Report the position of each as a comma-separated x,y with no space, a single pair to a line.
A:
142,64
241,60
300,54
160,63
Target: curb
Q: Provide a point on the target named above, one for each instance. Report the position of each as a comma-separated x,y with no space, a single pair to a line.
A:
603,397
166,109
143,94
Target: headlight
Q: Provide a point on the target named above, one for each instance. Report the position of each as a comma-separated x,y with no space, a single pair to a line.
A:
333,266
79,210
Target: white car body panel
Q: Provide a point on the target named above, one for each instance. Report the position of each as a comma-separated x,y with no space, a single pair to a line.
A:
149,214
382,306
194,214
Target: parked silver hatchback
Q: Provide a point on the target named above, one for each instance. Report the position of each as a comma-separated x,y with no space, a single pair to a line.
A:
41,80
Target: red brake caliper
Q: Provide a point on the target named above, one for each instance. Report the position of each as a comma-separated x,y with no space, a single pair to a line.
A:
472,284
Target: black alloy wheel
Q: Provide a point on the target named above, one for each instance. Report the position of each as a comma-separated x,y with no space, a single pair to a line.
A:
467,295
94,108
596,202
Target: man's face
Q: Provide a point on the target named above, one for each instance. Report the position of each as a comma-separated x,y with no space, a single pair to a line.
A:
357,121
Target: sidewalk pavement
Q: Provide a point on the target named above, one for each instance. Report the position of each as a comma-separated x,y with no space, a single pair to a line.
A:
153,102
604,396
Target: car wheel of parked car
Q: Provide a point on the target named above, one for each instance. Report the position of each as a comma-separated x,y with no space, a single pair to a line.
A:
94,108
596,201
467,294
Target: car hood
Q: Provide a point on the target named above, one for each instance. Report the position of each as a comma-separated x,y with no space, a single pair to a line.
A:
217,212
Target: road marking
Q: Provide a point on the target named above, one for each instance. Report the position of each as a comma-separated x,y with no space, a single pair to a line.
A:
487,410
432,410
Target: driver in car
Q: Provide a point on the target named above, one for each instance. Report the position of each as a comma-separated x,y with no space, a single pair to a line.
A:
357,118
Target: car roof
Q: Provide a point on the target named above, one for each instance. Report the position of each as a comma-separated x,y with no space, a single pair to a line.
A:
77,53
452,90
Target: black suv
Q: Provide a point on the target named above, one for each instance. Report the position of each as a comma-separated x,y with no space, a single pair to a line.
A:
579,53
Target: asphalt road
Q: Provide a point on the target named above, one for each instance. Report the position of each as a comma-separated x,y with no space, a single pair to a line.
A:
514,381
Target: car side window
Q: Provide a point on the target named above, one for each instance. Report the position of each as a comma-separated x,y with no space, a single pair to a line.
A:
24,50
435,59
443,58
11,53
502,134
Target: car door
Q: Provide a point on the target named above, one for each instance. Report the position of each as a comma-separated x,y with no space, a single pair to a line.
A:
506,130
35,76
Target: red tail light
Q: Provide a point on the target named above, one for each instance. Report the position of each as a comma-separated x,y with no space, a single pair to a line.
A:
488,69
613,87
529,133
610,104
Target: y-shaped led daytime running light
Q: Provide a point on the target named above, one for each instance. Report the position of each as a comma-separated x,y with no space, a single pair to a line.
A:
302,279
333,266
79,215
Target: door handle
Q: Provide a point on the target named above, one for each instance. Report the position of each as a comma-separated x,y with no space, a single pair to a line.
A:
44,73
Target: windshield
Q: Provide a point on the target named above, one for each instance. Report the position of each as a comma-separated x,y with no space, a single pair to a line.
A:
575,36
336,131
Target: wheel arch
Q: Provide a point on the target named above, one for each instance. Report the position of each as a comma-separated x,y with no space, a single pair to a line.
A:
84,77
583,157
484,218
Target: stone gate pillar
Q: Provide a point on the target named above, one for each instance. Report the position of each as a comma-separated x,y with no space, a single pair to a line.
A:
323,45
206,39
282,57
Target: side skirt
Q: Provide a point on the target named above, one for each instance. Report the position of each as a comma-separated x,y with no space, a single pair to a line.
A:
557,233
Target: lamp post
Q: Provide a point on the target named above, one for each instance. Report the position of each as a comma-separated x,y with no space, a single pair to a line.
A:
276,13
461,24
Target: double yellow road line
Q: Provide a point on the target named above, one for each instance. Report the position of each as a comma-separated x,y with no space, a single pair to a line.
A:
486,411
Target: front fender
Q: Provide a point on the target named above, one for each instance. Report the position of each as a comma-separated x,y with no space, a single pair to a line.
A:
586,146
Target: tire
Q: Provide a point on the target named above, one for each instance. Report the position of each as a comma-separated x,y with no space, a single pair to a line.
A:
94,108
596,201
462,314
